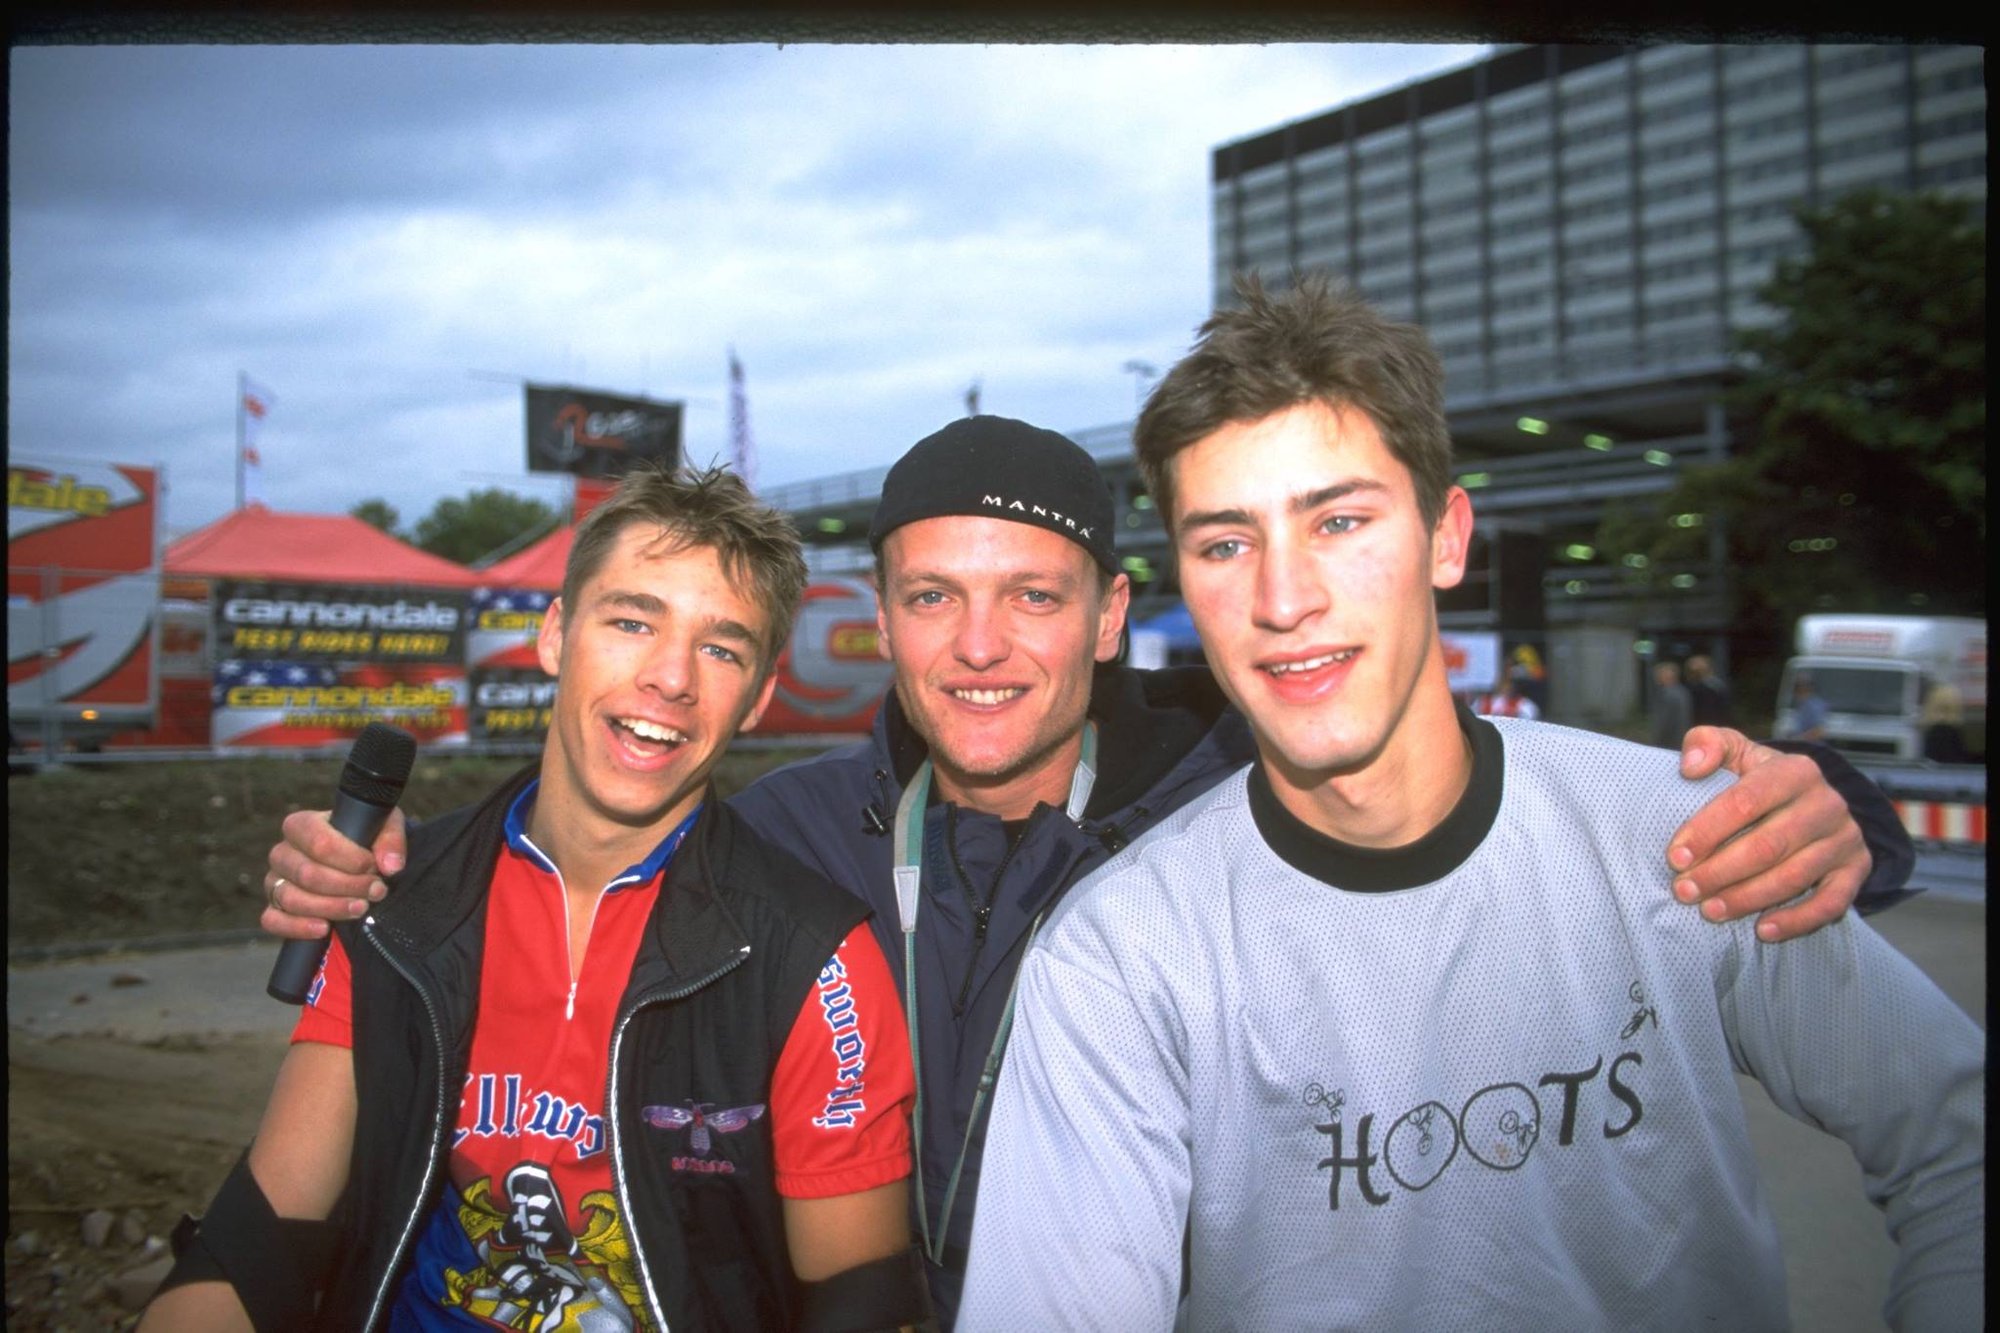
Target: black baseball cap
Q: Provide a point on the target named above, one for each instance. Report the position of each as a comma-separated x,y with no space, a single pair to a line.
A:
997,467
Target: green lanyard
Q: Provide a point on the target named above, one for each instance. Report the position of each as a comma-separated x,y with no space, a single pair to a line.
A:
909,877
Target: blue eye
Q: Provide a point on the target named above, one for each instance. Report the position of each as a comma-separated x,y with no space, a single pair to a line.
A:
1226,549
1340,523
721,653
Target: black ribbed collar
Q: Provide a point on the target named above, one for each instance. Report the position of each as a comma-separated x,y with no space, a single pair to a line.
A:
1376,870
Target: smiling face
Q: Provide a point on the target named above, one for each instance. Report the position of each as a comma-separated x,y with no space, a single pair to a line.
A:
659,666
993,627
1309,572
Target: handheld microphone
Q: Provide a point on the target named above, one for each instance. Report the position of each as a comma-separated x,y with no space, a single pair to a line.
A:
371,782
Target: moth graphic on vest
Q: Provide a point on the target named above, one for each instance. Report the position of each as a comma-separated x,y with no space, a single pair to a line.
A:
704,1118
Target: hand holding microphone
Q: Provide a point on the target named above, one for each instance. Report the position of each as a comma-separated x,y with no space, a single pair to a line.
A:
371,782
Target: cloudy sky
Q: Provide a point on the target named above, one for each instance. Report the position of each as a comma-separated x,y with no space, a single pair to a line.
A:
390,238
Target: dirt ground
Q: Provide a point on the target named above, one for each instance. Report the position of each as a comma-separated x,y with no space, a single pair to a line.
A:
113,1134
143,1133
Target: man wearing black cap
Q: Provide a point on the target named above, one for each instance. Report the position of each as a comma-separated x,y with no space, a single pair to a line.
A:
1012,758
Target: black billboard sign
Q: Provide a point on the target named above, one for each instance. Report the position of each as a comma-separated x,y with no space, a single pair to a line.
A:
592,434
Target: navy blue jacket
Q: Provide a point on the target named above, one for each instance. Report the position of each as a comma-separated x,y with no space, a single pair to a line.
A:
1164,737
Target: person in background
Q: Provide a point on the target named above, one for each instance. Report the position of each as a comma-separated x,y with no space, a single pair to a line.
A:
1388,1030
1942,719
1809,710
1509,702
1707,693
1672,709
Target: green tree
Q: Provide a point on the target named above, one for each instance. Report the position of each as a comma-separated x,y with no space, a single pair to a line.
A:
1858,482
482,523
380,514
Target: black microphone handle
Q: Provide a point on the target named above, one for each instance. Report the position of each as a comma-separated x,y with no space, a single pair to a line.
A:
298,960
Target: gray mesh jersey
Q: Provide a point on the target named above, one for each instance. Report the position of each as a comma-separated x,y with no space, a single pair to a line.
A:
1486,1084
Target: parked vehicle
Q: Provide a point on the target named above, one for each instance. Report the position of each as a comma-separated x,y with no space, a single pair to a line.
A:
1878,673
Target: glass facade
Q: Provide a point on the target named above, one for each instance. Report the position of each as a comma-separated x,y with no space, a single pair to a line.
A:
1563,216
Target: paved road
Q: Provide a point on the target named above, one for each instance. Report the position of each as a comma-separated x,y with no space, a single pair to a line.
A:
143,996
1837,1253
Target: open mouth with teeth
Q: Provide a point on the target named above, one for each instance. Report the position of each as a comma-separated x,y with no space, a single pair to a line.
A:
988,698
646,737
1312,664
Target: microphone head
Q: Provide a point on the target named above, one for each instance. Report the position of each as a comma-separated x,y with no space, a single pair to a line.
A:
379,765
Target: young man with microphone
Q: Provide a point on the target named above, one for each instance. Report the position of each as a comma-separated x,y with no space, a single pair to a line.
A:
1013,757
611,1059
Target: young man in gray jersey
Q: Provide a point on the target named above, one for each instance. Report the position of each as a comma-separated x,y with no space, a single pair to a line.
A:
1002,605
1395,1028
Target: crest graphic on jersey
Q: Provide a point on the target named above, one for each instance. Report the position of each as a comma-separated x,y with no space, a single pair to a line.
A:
704,1117
533,1272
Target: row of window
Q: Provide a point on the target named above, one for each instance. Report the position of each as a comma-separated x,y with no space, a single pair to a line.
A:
1946,173
1392,267
1388,188
1834,64
1951,80
1944,127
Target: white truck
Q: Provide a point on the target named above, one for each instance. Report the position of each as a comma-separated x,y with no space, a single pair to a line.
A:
1875,673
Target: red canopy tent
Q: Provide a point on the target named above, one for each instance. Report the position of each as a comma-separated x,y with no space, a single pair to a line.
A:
539,566
259,543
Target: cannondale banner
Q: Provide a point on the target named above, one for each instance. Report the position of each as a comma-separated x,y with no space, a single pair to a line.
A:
592,434
314,663
511,694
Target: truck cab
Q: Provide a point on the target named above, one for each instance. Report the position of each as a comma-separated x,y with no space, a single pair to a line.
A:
1875,674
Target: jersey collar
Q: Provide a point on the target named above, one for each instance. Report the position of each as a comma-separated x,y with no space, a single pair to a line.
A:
645,872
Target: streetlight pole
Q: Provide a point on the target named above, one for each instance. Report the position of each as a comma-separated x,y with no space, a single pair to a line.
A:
1143,373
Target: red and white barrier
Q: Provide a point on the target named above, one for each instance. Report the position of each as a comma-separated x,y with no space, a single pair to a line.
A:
1943,821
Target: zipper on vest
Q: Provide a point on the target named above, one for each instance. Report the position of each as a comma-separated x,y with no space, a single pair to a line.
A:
611,1118
382,1290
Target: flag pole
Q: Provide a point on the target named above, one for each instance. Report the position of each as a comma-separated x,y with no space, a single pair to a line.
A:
242,388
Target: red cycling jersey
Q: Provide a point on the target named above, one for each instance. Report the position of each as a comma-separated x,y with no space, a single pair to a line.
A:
531,1114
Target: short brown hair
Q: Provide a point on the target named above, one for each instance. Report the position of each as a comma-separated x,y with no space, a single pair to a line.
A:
712,508
1314,343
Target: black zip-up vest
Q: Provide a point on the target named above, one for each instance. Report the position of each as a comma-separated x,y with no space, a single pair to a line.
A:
734,945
